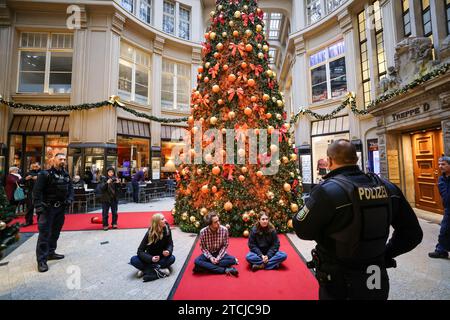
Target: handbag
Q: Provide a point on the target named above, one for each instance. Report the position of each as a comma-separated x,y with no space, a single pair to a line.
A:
19,194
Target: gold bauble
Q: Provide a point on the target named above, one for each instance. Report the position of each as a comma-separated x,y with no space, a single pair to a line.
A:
294,207
213,120
2,225
285,159
237,14
245,217
192,218
207,64
228,206
212,35
231,23
274,99
270,195
281,202
220,7
184,216
227,226
245,7
212,13
293,157
248,32
279,117
199,171
266,47
205,189
259,28
197,224
244,169
280,103
219,46
287,187
231,114
203,211
261,55
289,224
292,174
246,233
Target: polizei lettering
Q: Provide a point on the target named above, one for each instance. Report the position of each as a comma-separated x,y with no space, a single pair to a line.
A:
372,193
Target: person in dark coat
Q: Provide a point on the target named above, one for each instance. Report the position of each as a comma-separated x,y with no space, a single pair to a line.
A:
12,181
155,253
264,245
110,189
29,182
138,177
443,246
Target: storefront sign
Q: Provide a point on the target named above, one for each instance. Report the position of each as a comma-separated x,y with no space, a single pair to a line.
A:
410,113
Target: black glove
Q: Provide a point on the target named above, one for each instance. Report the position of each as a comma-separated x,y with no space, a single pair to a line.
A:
390,263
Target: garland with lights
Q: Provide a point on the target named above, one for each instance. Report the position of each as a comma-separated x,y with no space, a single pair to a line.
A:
113,101
350,98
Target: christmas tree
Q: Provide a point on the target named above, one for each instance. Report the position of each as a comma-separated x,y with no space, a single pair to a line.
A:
8,233
238,91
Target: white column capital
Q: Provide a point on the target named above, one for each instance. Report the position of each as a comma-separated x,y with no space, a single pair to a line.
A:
158,45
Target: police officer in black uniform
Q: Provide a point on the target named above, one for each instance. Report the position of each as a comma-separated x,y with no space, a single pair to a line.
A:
349,216
52,194
30,181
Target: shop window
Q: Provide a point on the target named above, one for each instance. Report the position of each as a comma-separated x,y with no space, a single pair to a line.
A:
379,37
133,154
175,86
45,62
128,5
334,4
134,74
373,162
54,144
328,74
15,151
168,162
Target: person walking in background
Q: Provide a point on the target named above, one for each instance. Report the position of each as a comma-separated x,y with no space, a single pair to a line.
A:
443,246
264,245
13,181
29,182
77,182
110,189
138,177
155,253
214,243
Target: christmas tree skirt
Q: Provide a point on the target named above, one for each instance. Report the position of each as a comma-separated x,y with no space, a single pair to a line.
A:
126,220
292,281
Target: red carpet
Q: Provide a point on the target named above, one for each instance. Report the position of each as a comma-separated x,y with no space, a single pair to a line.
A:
292,281
78,222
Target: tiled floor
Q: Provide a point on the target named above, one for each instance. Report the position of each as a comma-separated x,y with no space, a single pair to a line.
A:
96,266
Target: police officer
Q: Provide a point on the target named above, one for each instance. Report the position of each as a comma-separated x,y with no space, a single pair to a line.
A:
349,216
52,194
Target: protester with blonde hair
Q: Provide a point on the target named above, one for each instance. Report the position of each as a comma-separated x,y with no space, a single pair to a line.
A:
154,255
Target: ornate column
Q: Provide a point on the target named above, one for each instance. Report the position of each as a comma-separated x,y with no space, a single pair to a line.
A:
158,46
445,105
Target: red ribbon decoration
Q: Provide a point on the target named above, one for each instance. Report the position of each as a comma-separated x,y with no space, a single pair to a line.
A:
232,93
235,47
257,69
259,37
228,170
283,132
214,71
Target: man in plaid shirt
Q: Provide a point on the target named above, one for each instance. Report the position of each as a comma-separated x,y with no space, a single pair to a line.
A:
214,244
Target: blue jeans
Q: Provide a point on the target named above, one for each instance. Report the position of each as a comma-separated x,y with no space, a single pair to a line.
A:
164,262
206,264
273,263
444,234
105,212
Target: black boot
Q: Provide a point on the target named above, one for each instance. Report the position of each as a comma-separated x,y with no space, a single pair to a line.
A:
55,256
438,254
42,266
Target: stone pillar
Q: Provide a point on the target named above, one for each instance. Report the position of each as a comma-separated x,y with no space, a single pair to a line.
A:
382,136
6,40
158,9
438,23
300,91
415,12
96,74
196,63
346,25
298,17
155,127
389,30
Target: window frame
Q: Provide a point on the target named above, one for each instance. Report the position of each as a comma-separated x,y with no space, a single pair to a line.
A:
183,20
423,12
307,7
48,50
147,5
174,16
366,82
134,65
327,63
378,50
404,14
175,75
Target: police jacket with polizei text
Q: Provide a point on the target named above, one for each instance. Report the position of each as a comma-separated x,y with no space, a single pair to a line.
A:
329,210
444,190
51,186
146,251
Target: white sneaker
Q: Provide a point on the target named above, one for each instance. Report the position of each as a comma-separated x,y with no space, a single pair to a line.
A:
139,274
166,271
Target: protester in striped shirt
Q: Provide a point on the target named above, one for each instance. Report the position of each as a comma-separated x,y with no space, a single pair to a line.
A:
214,244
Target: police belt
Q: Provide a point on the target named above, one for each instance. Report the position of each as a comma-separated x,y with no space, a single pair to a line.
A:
54,204
320,259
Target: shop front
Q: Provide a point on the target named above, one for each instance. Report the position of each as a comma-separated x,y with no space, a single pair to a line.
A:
133,147
413,133
171,137
36,139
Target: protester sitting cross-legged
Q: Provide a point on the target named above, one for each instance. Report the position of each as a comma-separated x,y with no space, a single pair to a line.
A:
214,244
264,245
154,255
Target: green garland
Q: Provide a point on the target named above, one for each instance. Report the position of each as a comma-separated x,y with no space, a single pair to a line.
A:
114,102
350,100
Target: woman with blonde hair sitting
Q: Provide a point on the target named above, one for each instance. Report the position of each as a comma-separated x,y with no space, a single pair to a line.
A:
154,255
